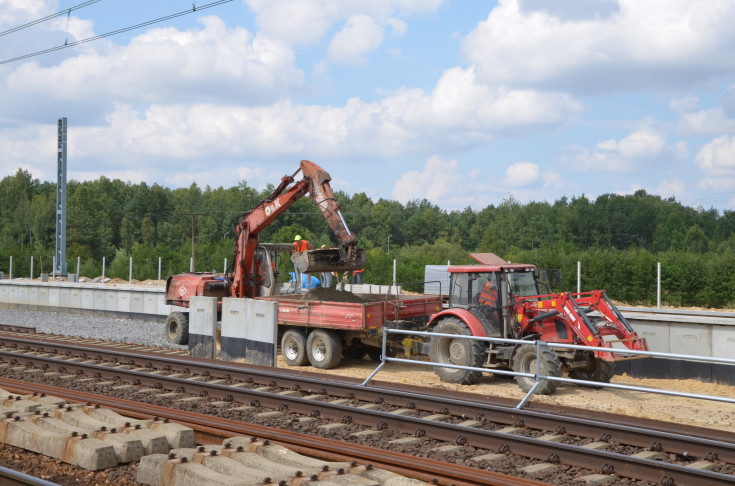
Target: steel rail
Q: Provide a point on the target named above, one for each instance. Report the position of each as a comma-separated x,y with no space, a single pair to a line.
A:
693,441
530,447
213,430
9,477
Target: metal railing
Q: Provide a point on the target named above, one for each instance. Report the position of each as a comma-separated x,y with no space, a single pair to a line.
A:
540,377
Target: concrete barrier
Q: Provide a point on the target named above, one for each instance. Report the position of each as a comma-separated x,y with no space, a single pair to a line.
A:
85,299
203,327
249,331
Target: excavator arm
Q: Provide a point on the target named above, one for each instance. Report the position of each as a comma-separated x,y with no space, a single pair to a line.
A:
315,182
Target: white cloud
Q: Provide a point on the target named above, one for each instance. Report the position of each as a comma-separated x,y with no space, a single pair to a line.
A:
522,174
211,63
671,187
639,45
436,182
717,158
308,21
642,147
711,121
361,34
684,105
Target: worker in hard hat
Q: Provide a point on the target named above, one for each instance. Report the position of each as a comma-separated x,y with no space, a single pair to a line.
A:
300,244
326,277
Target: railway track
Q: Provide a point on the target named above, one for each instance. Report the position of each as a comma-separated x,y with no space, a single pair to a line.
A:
645,450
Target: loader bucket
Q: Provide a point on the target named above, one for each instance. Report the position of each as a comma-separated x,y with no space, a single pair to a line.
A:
328,260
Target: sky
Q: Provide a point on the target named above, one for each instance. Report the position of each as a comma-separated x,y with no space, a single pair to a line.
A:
463,103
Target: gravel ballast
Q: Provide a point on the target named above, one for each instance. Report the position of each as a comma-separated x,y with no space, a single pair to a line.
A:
108,328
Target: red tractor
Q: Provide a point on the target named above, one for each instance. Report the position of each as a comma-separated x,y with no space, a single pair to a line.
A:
497,299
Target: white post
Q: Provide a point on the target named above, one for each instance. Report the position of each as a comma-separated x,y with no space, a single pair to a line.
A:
191,265
225,268
53,268
31,267
159,272
10,270
579,277
78,261
130,272
394,272
658,287
103,270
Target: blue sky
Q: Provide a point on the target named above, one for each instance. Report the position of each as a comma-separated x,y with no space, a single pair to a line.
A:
464,103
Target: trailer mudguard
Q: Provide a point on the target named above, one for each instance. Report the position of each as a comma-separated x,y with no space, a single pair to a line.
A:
476,327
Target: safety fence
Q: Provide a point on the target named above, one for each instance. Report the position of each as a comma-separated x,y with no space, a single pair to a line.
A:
538,376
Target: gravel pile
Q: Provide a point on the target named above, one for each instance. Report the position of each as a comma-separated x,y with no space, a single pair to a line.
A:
108,328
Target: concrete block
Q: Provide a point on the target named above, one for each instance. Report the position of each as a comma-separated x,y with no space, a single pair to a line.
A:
22,405
98,301
53,299
488,457
281,455
123,303
4,292
32,303
203,327
657,334
249,331
136,303
227,465
405,441
88,453
110,297
42,299
87,303
151,301
159,470
596,479
256,461
690,338
538,470
153,442
22,297
75,298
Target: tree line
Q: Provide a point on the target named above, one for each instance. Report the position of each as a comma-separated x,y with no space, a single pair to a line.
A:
618,238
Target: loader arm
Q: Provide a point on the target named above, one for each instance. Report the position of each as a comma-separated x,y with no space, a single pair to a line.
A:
315,182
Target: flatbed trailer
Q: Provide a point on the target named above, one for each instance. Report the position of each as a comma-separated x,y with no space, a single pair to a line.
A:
322,332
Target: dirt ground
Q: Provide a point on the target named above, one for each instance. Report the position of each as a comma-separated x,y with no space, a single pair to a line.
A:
703,413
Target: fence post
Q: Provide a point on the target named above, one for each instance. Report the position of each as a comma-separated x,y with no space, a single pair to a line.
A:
31,267
78,262
394,272
159,272
191,265
103,270
579,277
225,269
658,287
53,268
130,272
10,270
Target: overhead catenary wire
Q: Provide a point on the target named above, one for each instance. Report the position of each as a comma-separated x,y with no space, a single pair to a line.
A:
66,11
115,32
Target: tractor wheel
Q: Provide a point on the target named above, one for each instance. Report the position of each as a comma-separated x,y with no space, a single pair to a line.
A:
524,361
177,328
324,349
460,352
293,347
354,352
601,371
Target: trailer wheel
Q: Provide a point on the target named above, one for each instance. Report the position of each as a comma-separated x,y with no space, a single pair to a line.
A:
293,347
177,328
601,371
324,349
461,352
524,361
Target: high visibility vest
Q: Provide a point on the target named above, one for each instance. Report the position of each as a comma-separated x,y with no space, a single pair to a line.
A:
359,271
489,295
300,245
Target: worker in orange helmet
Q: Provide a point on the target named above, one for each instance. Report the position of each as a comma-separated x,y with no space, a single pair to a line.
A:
300,244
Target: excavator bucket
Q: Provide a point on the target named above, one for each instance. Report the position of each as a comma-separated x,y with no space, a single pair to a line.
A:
328,260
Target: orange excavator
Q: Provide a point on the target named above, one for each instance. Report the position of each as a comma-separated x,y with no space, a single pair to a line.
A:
251,273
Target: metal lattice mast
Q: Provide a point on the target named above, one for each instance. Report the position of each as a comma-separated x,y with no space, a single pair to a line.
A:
61,200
